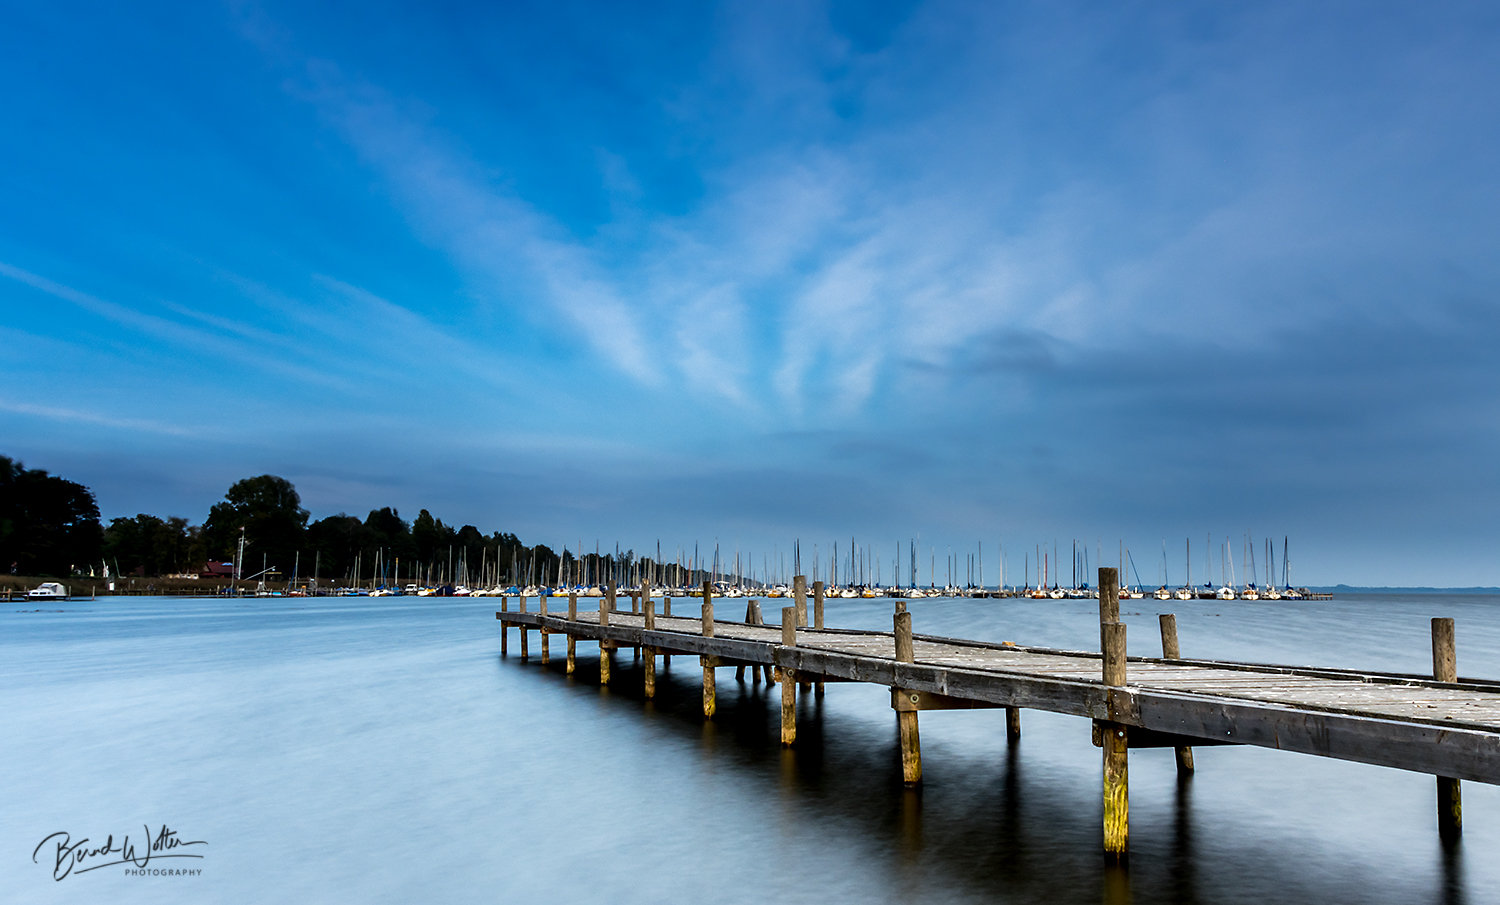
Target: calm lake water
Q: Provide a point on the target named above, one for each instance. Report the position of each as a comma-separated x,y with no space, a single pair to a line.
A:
356,750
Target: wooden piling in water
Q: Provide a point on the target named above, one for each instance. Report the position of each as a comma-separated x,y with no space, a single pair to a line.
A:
604,651
756,617
1445,669
666,610
524,632
1171,651
1115,737
650,623
1109,597
572,641
504,627
739,671
788,679
541,603
799,603
1013,723
906,720
818,593
709,702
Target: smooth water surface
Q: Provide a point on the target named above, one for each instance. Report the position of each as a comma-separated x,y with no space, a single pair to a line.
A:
357,750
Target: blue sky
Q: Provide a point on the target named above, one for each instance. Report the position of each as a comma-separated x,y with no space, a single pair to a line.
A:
752,272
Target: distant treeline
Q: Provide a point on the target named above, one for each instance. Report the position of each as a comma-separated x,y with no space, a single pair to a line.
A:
50,526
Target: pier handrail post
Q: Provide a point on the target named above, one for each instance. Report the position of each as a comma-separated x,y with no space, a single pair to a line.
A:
572,641
788,678
1445,669
1115,736
1170,651
906,720
648,610
709,703
609,595
799,596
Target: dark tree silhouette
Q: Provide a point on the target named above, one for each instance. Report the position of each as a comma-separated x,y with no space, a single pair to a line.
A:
48,526
270,511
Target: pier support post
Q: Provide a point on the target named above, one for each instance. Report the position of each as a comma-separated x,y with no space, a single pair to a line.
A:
1445,669
1115,735
604,652
666,610
709,703
1013,724
649,609
504,628
754,616
523,630
637,604
1109,596
788,679
818,587
739,671
799,602
1170,651
541,603
572,642
906,720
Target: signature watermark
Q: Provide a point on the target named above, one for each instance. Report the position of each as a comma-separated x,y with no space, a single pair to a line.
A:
66,857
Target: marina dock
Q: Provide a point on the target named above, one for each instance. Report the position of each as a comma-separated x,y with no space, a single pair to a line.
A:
1441,724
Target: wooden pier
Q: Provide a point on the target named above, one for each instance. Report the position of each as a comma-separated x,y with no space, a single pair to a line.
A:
1441,724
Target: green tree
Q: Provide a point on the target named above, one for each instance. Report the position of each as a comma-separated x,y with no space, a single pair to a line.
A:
48,525
270,512
152,545
426,536
335,541
389,532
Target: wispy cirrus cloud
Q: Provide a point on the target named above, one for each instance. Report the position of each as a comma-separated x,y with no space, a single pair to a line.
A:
77,416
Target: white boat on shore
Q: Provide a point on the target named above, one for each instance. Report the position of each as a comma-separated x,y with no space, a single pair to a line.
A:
47,590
